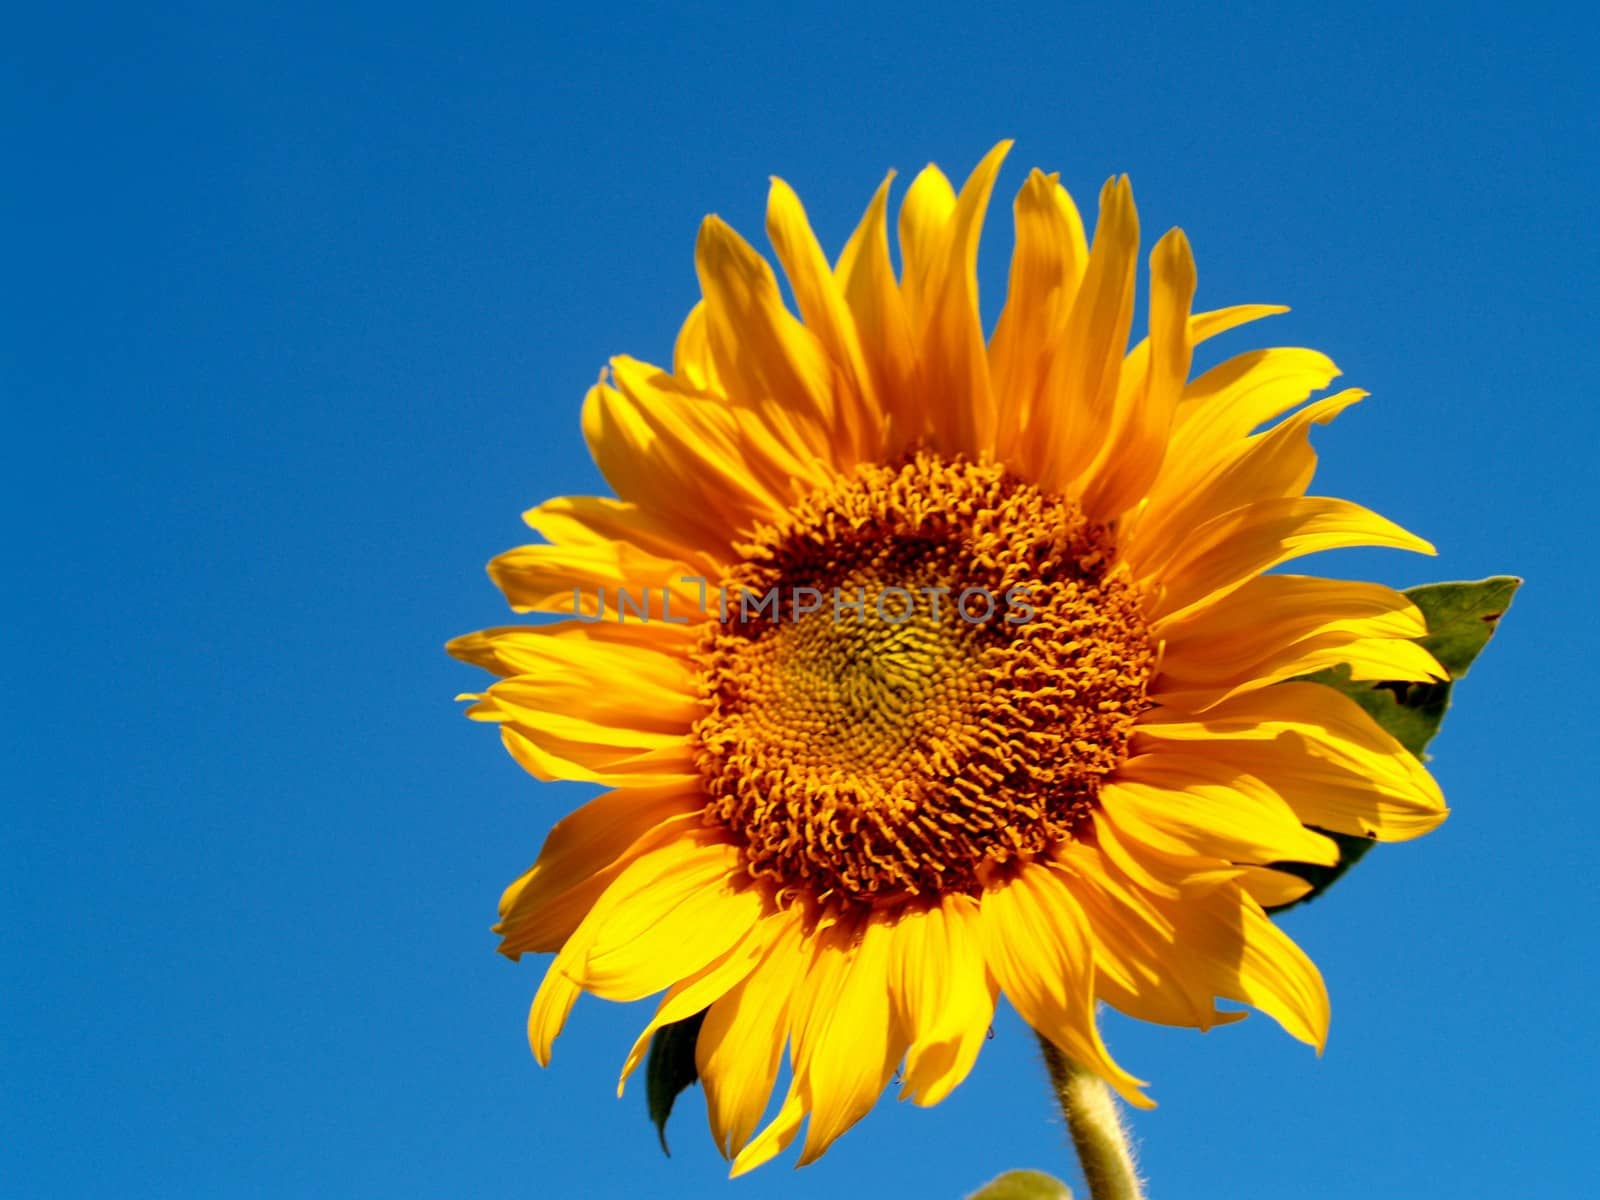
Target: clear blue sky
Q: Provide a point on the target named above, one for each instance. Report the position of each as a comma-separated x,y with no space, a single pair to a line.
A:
299,312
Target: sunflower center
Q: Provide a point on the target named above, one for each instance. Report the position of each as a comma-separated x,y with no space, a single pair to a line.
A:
922,675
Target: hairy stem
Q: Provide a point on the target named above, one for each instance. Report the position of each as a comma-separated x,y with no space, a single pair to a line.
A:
1096,1127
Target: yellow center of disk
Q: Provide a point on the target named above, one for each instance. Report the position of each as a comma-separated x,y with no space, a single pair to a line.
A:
923,674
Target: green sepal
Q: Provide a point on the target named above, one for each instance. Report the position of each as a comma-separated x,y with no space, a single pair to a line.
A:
1461,618
1023,1185
670,1070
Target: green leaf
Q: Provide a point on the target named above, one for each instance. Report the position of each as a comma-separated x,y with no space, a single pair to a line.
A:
1023,1185
670,1070
1461,618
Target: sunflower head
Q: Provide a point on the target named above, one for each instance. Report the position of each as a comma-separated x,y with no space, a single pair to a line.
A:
952,676
922,666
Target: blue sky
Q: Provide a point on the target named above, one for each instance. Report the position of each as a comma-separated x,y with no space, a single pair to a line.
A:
301,310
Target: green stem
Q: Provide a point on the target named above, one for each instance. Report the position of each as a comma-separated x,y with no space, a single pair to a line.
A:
1096,1128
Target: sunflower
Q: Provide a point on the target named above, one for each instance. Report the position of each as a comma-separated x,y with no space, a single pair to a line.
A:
922,667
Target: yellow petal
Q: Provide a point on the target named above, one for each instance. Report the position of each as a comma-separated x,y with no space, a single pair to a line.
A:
1131,459
587,520
1231,400
768,361
669,913
686,460
589,580
552,1005
1276,611
1189,805
1134,381
823,308
705,987
1378,659
591,838
1124,849
949,330
565,685
583,852
1073,417
866,277
741,1041
1037,946
1141,968
1277,627
1201,327
1271,889
549,757
846,1040
1272,465
1382,659
1230,550
1318,750
943,995
502,648
1230,949
526,702
691,353
1251,960
775,1138
1213,941
1047,266
1206,325
594,748
926,210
